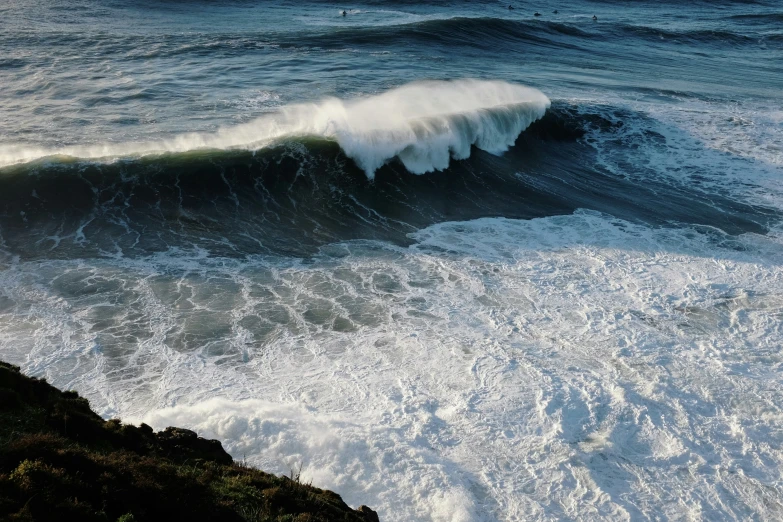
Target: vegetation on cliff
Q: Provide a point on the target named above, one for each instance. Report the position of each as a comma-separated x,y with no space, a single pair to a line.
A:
61,461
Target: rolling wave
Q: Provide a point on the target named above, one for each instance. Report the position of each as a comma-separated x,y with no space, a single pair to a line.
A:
486,33
758,17
296,196
489,32
697,36
480,32
423,124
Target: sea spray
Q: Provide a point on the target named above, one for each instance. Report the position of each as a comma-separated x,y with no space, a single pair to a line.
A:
424,124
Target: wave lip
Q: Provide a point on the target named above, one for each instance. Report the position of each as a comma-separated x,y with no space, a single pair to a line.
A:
423,124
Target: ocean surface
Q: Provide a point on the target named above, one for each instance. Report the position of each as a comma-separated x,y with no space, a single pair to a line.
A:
452,260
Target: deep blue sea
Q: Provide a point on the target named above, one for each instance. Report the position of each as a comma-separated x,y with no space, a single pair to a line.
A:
456,260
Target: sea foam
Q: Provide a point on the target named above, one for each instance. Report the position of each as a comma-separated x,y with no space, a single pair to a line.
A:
423,124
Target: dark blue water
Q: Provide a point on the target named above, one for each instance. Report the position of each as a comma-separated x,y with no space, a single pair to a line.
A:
466,261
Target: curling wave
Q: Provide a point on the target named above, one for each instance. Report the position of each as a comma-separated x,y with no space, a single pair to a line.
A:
423,124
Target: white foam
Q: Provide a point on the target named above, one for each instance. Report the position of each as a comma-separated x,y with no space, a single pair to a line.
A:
424,124
345,453
567,367
717,146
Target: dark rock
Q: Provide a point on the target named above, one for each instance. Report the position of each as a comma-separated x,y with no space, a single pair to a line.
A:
9,399
61,461
185,444
368,513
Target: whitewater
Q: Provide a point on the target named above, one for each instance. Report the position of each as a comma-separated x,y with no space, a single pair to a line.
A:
464,264
423,124
492,357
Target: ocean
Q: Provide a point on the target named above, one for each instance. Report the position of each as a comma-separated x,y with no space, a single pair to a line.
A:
449,259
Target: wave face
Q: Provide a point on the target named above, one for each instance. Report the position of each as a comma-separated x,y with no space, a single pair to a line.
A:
424,125
494,33
360,245
298,195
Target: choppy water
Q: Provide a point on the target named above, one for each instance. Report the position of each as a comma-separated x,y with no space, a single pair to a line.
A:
457,261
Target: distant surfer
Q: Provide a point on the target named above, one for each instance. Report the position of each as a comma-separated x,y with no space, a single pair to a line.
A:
536,14
511,8
344,13
595,18
554,12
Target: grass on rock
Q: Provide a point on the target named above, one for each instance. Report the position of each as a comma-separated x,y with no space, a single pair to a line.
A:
61,461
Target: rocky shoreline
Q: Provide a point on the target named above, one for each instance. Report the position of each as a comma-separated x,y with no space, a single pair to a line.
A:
59,460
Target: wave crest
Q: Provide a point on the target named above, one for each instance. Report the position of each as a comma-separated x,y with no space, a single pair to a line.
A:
423,124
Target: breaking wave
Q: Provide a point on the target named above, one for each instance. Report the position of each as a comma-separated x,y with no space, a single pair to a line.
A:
423,124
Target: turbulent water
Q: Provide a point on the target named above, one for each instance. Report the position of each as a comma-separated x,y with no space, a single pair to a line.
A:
454,260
